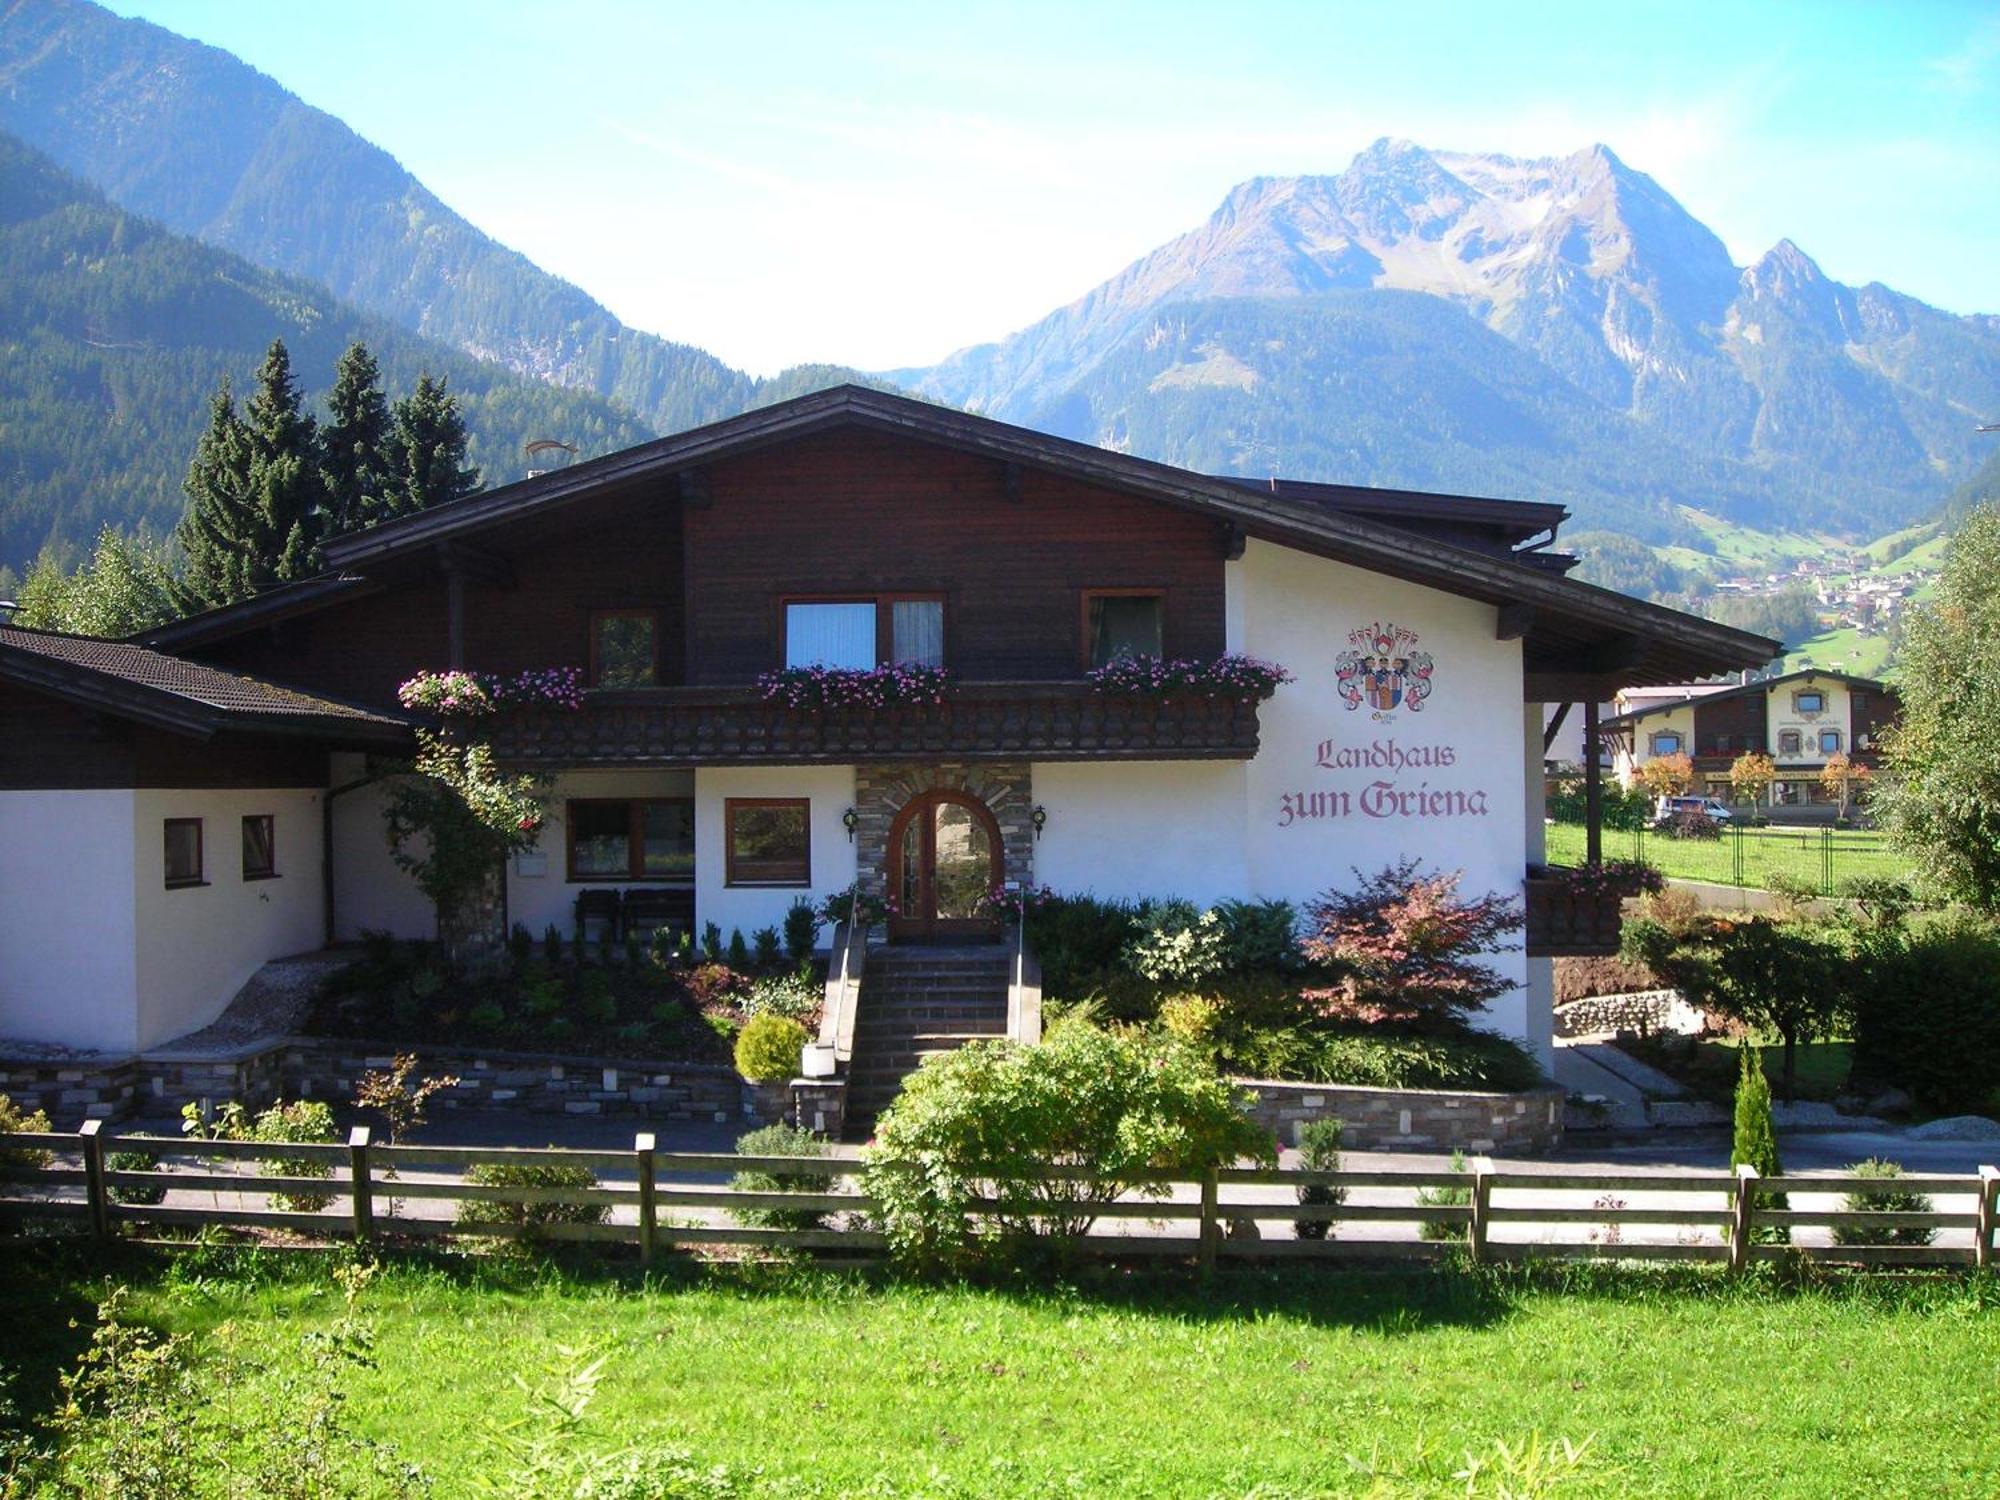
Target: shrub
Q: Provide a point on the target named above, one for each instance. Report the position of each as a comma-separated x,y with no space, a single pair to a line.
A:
1319,1151
1406,945
1445,1197
1382,1059
135,1161
795,995
1177,945
1259,936
1079,940
530,1217
801,930
711,942
1192,1020
782,1140
765,948
14,1120
739,951
716,984
302,1120
520,944
595,1000
992,1116
1927,1012
1690,823
1884,1200
552,944
767,1048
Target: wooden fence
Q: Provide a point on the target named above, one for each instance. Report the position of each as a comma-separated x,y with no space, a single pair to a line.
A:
680,1201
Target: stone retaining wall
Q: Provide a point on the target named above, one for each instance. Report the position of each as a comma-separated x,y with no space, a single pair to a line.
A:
109,1088
1523,1124
1648,1012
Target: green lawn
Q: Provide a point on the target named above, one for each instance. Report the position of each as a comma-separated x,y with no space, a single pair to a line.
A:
1710,1068
1285,1383
1794,851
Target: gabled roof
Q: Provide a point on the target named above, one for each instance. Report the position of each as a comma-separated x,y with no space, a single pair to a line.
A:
1594,638
185,697
280,602
1700,693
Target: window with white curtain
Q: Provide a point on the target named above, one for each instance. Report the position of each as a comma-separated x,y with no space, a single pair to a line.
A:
863,633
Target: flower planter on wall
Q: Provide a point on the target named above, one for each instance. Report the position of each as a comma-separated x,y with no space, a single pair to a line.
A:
1566,923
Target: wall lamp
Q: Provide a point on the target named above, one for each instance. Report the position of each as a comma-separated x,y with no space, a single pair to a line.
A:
1039,818
850,820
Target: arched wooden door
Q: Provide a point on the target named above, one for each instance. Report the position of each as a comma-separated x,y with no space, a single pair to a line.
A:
944,856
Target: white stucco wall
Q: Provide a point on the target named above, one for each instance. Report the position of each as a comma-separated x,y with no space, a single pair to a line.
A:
830,790
67,952
1151,828
1335,789
195,946
370,894
539,892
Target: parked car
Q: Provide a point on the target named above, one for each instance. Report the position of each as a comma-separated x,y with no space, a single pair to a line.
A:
1669,808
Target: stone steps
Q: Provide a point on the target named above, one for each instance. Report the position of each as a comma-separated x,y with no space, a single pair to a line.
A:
915,1004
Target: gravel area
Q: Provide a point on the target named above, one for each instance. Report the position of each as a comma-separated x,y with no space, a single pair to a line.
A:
272,1005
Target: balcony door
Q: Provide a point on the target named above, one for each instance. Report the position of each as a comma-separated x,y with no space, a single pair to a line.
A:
944,856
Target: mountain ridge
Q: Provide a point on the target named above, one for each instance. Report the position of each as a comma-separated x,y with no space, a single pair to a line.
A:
1814,398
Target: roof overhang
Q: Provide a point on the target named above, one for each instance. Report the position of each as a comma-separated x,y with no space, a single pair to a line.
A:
1579,641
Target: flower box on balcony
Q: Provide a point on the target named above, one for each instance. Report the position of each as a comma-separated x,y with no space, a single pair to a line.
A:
1580,913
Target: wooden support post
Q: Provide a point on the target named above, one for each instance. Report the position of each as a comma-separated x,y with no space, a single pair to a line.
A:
361,1189
1593,788
1740,1218
649,1218
93,1177
1211,1226
1989,1209
1482,1205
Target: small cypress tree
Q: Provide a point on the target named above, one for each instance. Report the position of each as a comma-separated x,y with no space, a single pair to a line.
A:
355,445
216,529
427,449
1756,1138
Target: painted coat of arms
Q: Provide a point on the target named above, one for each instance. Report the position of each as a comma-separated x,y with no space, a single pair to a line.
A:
1383,669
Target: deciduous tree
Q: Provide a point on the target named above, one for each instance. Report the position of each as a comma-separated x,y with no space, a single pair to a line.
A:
1843,776
1751,775
1667,775
1939,792
1406,945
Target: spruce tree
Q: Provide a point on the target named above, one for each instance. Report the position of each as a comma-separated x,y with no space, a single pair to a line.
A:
355,445
255,490
427,449
217,528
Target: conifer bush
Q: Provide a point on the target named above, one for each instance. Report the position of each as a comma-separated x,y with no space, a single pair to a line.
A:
782,1140
768,1046
1884,1200
1319,1151
1755,1144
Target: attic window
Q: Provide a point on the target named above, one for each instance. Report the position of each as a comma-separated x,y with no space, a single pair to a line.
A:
1809,702
1667,742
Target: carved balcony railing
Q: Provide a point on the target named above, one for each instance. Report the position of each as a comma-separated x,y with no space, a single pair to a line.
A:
977,721
1563,922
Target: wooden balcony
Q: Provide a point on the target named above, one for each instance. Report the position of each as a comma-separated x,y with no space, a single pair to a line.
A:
688,726
1564,923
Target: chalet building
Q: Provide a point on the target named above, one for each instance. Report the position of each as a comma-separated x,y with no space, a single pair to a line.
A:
1422,635
1801,720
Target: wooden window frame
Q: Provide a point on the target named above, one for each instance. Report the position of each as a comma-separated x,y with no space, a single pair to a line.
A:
200,875
271,822
635,842
885,618
596,665
1084,597
730,877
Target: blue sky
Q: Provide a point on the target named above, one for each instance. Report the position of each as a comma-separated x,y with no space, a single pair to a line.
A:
880,184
